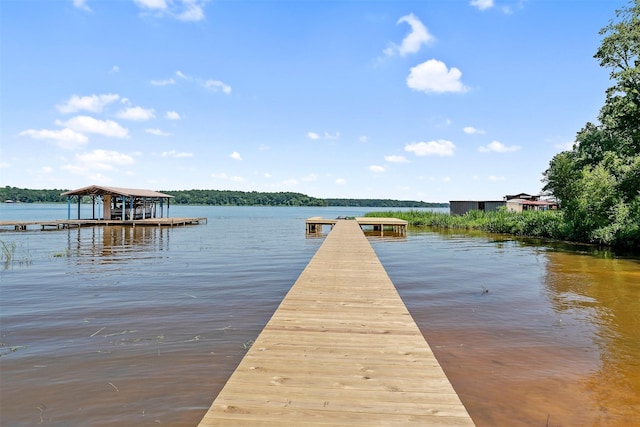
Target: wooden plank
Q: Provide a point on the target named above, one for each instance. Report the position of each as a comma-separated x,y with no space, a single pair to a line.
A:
68,223
342,349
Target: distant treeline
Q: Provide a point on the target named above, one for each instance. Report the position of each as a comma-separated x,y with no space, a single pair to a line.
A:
382,203
222,198
242,198
26,195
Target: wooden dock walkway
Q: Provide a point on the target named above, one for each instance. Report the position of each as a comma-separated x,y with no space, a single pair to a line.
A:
341,350
76,223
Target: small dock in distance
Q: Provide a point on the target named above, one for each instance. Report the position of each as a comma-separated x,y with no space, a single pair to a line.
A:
77,223
315,224
341,350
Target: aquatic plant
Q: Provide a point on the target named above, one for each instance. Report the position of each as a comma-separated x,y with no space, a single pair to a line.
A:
62,254
7,252
548,224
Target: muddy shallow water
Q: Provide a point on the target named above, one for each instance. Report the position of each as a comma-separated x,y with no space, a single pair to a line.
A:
122,326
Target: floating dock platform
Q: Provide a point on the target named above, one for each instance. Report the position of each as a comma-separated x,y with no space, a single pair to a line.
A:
398,226
341,350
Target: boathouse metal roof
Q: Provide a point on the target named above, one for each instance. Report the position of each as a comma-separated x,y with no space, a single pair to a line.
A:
95,190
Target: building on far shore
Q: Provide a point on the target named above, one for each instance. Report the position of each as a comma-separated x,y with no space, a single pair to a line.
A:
513,203
519,205
461,207
121,203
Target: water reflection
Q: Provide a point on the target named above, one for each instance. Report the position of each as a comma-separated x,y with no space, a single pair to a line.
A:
606,293
554,340
115,244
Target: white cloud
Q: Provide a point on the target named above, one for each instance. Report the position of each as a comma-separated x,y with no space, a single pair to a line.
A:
217,85
136,113
65,138
105,159
434,76
341,181
99,178
330,137
93,103
396,159
183,10
81,4
151,4
472,131
290,182
157,132
46,169
267,175
98,160
418,36
172,115
310,178
175,154
182,75
115,69
235,156
482,4
496,178
192,11
498,147
90,125
376,168
440,147
164,82
363,138
210,84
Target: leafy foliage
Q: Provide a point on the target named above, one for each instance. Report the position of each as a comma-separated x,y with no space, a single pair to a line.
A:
598,182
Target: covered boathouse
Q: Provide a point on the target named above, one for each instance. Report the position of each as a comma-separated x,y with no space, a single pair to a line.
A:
120,203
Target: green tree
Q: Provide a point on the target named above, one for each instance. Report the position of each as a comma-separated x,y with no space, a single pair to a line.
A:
598,181
561,177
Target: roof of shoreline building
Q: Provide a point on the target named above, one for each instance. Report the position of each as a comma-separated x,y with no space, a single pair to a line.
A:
99,190
532,202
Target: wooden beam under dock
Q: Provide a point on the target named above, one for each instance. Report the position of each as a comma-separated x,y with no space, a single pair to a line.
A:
342,350
77,223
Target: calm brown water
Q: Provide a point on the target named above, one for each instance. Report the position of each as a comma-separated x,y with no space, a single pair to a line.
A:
118,326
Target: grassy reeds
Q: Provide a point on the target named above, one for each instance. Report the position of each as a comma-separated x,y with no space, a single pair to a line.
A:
9,255
549,224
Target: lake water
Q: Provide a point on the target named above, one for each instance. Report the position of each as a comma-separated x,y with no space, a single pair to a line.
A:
122,326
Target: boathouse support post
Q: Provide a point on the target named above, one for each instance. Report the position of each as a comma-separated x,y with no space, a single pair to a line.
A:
79,199
68,207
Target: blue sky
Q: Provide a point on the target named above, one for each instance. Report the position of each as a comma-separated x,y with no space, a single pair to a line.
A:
413,100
